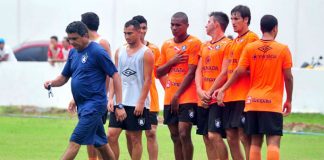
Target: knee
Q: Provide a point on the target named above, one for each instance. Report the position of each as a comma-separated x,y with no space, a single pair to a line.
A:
150,135
244,138
184,135
175,138
136,140
232,140
215,138
112,137
74,147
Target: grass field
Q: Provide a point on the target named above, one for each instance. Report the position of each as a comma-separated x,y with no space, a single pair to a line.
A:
47,138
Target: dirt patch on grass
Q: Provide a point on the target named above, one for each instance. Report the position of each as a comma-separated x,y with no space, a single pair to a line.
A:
33,110
303,127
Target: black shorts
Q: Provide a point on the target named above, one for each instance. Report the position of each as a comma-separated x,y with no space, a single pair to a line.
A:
187,113
210,120
268,123
132,122
154,118
234,116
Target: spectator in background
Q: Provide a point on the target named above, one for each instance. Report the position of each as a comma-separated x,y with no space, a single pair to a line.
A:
55,51
6,53
66,47
91,20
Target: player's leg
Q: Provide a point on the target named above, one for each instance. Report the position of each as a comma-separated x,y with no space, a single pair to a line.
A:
202,129
239,118
232,135
134,125
273,147
187,116
92,153
113,136
185,138
129,143
84,133
90,149
106,152
137,149
71,151
177,146
233,141
210,149
114,130
272,126
246,141
172,121
256,144
101,145
216,131
152,145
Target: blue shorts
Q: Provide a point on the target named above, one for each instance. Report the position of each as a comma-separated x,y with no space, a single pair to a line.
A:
90,130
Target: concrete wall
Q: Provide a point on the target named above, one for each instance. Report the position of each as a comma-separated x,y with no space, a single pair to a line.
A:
22,84
25,20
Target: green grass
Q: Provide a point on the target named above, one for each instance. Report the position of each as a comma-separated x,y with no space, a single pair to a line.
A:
41,138
314,118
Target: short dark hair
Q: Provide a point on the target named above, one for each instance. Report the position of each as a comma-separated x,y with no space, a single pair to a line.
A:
268,22
221,18
77,27
244,12
55,38
134,23
181,15
140,19
91,20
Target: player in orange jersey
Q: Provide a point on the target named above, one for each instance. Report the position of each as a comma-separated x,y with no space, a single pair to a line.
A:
209,114
152,145
235,97
178,60
270,65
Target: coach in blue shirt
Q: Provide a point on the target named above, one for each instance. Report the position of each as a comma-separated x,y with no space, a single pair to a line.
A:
88,64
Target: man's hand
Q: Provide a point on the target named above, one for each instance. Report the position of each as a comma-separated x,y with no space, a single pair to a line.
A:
120,114
179,58
220,96
110,106
139,109
204,96
72,108
286,108
175,104
46,84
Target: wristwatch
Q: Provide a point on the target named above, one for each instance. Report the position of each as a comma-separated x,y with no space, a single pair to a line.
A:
120,106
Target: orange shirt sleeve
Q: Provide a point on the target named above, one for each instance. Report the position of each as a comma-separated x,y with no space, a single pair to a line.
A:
227,50
253,38
194,53
162,58
156,53
201,49
244,59
287,60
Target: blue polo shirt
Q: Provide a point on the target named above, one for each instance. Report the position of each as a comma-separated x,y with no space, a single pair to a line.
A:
88,69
